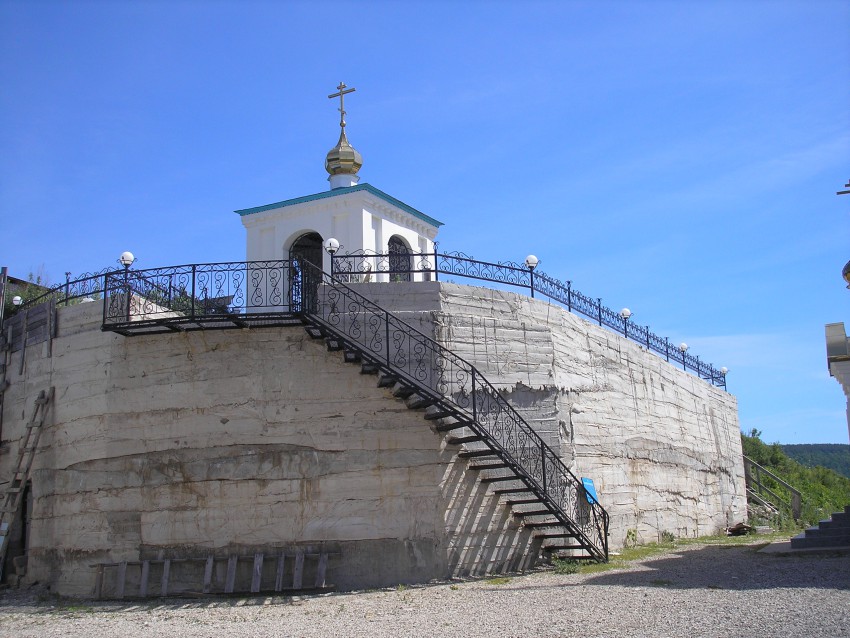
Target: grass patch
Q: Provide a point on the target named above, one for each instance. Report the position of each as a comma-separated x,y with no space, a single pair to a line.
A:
629,555
566,566
499,580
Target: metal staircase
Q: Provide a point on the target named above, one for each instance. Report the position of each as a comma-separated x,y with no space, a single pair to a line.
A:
498,442
13,497
465,406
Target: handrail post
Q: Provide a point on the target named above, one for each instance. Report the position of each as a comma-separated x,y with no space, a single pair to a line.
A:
543,466
387,330
194,267
474,408
569,295
599,309
105,296
796,505
67,287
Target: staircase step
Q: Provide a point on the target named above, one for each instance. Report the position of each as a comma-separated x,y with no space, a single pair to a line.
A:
499,479
387,380
452,440
475,454
554,535
314,332
522,514
522,501
417,402
369,368
805,541
512,490
488,466
448,427
437,412
839,519
334,344
536,524
351,356
402,391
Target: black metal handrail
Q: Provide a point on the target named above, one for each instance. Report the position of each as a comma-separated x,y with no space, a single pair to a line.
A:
444,377
198,290
362,265
88,284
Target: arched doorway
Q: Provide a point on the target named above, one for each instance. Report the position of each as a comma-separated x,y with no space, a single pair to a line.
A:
400,261
304,280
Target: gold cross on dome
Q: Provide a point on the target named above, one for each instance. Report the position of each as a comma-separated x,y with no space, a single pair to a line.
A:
343,91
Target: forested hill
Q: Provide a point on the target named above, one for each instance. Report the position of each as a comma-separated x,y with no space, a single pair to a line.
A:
835,456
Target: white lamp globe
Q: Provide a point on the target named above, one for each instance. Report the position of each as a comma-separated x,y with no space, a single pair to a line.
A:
331,245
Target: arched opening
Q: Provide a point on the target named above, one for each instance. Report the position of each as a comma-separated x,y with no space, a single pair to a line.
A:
304,279
400,259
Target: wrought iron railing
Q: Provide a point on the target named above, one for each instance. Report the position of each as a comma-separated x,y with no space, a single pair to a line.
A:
89,284
201,290
439,374
367,266
242,290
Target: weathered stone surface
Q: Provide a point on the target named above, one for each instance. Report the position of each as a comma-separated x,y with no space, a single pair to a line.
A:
221,441
249,440
662,446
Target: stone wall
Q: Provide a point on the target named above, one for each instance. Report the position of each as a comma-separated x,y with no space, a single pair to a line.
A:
662,446
236,441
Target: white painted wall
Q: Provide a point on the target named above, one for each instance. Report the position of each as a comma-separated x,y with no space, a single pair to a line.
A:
358,220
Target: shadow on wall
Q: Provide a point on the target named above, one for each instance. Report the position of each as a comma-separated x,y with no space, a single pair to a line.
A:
483,536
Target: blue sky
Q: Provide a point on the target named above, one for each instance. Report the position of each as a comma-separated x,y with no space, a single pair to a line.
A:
678,158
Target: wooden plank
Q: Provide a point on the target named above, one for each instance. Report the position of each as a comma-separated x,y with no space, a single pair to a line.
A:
208,570
321,569
298,572
278,579
166,569
143,581
122,578
98,582
231,574
257,574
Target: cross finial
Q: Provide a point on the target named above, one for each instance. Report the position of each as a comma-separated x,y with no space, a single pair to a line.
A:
342,91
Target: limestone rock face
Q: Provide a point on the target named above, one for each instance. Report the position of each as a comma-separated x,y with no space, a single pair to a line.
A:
212,443
662,446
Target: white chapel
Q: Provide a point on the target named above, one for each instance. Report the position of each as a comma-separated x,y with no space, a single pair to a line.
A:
360,217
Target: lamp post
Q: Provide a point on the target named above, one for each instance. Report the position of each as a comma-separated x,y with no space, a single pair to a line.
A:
531,263
625,313
331,247
126,259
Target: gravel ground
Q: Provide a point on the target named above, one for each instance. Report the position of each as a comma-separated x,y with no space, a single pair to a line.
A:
695,590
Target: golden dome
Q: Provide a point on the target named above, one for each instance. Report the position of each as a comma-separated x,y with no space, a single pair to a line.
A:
343,159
